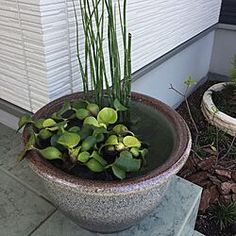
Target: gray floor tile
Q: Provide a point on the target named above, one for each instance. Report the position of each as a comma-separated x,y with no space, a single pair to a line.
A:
10,146
58,224
21,211
9,140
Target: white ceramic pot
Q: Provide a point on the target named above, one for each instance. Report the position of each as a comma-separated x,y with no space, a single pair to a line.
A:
213,115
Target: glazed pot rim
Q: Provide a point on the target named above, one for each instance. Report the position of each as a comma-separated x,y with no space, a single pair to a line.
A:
176,160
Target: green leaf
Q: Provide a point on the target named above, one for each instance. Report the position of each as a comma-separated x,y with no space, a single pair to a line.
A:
91,121
56,116
74,129
190,82
93,108
66,107
109,148
144,152
49,123
107,116
120,146
85,131
88,143
22,154
39,123
112,140
100,130
127,163
53,128
79,104
25,119
121,130
44,134
94,166
98,158
83,157
135,151
58,126
118,106
54,138
29,146
82,113
131,141
74,152
53,142
69,140
119,173
51,153
61,127
120,139
100,138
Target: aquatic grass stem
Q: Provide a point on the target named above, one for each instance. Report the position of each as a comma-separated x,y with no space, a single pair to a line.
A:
116,83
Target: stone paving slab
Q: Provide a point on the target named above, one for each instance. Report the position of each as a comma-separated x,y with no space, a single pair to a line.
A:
196,233
21,210
166,220
8,140
10,146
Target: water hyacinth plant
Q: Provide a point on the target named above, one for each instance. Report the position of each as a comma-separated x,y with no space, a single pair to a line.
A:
83,134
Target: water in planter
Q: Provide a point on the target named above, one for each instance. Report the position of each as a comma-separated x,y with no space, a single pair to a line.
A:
154,129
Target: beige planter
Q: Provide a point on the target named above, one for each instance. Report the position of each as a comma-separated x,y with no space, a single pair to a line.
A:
213,115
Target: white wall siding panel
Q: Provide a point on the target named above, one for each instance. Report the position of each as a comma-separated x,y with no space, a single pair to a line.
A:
161,25
23,73
37,42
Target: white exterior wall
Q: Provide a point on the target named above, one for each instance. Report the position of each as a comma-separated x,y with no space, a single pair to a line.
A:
37,42
193,60
224,49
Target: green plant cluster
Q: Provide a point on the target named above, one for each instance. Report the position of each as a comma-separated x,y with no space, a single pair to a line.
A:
85,135
224,214
104,20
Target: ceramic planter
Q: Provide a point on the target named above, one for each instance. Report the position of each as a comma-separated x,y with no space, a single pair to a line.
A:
213,115
116,205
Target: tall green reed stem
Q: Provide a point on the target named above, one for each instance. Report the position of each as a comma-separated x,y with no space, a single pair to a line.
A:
109,79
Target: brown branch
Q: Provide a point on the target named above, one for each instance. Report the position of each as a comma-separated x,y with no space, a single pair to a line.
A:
188,107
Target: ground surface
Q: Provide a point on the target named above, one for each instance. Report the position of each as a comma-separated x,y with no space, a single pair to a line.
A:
211,165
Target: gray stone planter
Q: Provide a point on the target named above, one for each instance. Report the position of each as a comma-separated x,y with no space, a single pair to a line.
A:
212,113
116,205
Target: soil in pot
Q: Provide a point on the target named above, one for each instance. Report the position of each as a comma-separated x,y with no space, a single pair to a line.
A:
152,128
225,100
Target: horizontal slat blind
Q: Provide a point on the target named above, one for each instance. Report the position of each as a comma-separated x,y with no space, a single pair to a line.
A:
37,42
